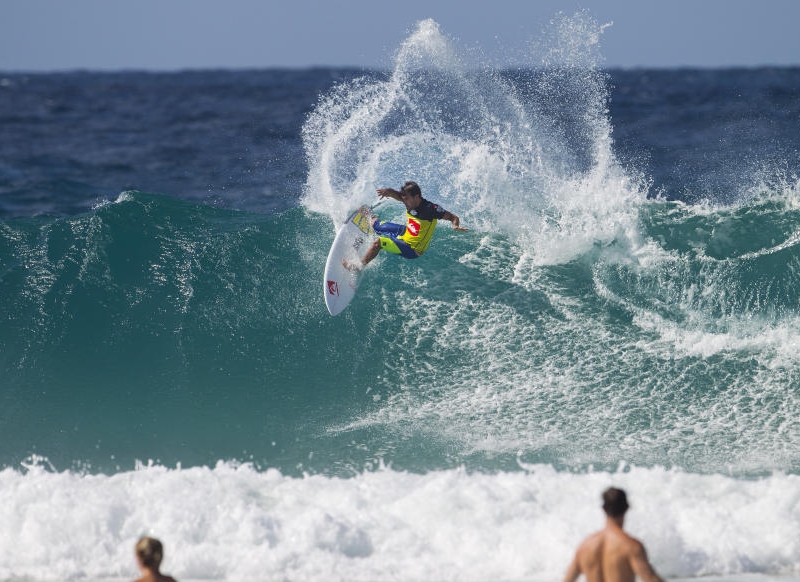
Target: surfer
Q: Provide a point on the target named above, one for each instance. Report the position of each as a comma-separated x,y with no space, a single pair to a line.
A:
611,555
149,553
409,240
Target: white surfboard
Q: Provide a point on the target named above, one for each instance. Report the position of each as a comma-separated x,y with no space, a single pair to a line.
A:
351,243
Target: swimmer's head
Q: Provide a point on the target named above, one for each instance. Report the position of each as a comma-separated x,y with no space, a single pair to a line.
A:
150,552
615,502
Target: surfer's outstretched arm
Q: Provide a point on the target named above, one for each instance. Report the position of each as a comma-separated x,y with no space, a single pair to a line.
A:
454,219
397,195
389,193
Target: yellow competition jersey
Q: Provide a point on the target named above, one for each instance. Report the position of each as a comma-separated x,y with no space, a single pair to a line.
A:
420,224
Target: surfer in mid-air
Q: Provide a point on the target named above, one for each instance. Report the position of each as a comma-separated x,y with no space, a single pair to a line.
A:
409,240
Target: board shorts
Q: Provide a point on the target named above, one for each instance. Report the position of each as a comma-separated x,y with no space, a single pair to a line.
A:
389,233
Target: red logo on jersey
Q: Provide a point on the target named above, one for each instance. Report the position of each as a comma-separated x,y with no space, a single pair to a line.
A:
333,288
413,227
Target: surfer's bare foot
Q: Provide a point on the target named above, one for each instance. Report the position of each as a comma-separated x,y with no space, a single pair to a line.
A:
352,267
369,214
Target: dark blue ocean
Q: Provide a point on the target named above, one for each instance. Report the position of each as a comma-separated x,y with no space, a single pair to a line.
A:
625,309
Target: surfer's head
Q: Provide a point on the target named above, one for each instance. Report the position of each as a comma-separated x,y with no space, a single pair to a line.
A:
411,195
410,189
615,502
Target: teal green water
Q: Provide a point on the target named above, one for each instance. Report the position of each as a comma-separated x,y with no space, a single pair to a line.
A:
151,328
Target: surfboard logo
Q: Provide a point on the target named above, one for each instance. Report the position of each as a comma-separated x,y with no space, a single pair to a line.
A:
413,227
333,288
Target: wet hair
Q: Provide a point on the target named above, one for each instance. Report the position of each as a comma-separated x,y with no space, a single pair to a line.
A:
150,552
615,502
411,188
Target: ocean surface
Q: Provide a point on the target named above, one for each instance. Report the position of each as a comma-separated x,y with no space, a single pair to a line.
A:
624,310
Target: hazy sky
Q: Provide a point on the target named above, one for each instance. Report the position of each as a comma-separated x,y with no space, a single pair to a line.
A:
44,35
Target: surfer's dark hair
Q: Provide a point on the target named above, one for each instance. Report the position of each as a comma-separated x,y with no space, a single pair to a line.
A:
411,188
615,502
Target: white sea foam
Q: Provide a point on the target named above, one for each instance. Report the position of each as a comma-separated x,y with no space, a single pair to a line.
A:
504,160
232,522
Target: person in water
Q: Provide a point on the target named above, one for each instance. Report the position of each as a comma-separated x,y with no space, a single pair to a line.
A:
409,240
611,555
149,553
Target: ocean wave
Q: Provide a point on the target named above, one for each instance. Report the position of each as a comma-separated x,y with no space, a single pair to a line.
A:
233,522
